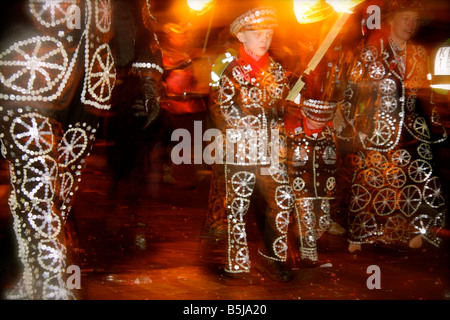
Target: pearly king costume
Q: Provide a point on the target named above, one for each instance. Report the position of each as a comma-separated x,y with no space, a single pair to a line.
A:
57,73
246,107
312,158
395,194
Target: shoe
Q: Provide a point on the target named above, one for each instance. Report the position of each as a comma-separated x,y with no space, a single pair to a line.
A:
336,229
239,279
354,248
416,242
276,270
308,263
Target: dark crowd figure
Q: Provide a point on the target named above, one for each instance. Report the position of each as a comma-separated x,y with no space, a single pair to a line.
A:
134,121
396,199
184,104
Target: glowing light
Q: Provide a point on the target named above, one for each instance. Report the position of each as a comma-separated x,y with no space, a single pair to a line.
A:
343,5
310,11
441,77
199,5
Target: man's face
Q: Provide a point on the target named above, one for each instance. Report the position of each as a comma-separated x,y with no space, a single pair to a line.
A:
257,41
403,25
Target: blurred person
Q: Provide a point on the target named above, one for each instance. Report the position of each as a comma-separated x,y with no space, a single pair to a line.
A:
312,157
216,222
247,108
57,75
396,198
184,103
57,79
134,120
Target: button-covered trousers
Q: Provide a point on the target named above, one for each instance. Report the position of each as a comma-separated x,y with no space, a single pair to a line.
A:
45,162
272,183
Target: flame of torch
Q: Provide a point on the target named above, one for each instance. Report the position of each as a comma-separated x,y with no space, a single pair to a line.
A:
199,5
343,5
312,11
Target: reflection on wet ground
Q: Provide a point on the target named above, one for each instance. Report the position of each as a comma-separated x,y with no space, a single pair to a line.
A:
144,239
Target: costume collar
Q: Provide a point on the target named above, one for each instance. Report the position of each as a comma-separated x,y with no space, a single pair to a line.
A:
247,57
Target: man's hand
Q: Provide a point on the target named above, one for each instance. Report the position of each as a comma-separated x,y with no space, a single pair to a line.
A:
149,104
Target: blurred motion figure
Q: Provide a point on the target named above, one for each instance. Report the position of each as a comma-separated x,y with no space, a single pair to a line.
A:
247,108
396,199
57,75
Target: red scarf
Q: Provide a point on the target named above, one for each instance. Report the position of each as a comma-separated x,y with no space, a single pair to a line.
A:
258,64
292,122
309,132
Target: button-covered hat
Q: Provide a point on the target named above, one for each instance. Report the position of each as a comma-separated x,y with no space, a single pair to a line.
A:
258,18
402,5
392,6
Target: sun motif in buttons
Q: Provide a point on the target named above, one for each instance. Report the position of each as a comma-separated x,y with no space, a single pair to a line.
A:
279,173
387,86
101,76
331,183
382,133
363,225
72,146
324,222
305,204
52,255
51,13
421,127
282,221
243,183
409,200
239,206
298,184
394,229
388,104
401,157
385,202
103,15
396,177
424,150
433,194
44,221
39,178
239,234
309,219
242,259
369,54
376,70
32,133
66,186
284,196
34,66
360,198
420,170
280,247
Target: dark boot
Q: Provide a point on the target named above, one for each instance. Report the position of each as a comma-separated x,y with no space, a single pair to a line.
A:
276,270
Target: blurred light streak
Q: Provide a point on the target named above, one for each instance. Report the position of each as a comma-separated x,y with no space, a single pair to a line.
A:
441,77
310,11
343,5
200,6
